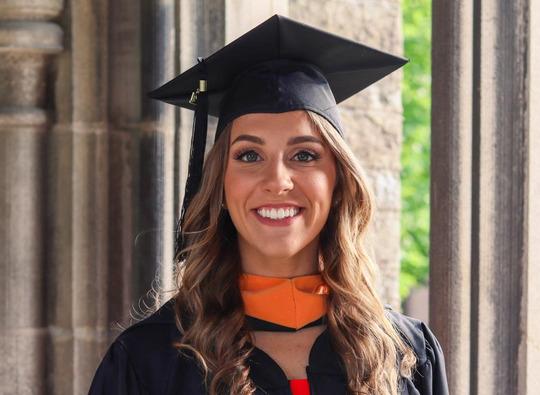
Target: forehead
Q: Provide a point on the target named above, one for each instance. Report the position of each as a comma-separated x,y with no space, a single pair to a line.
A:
274,125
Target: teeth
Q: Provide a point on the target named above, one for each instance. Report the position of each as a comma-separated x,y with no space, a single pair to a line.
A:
280,213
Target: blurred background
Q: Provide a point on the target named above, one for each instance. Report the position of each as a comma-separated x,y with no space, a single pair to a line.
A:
92,172
416,97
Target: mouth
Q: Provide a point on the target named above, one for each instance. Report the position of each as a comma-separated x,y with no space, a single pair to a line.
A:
277,216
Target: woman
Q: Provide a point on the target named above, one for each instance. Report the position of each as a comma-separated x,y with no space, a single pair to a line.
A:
275,291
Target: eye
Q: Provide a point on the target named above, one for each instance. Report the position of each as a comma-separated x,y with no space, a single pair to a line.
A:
306,156
247,156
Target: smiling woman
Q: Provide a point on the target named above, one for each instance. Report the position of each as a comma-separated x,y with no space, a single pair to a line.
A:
275,291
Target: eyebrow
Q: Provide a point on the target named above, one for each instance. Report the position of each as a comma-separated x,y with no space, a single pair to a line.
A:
291,141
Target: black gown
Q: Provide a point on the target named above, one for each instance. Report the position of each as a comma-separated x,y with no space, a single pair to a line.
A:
142,360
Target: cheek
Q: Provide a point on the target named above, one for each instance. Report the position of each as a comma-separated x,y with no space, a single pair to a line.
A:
236,187
230,186
321,187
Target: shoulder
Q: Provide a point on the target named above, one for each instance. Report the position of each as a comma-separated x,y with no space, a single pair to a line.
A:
417,334
143,356
156,330
430,374
151,341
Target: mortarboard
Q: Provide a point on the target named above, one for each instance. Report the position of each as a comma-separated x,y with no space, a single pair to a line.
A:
280,65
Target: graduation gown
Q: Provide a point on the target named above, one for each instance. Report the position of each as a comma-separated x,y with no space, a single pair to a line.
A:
142,360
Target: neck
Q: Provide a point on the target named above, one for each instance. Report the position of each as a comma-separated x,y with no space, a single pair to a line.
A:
305,262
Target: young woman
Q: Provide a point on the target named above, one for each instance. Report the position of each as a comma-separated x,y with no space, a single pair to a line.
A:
275,291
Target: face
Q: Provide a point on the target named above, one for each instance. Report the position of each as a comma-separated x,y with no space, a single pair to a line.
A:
278,184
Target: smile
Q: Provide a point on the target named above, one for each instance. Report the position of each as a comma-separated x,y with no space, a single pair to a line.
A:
278,213
278,216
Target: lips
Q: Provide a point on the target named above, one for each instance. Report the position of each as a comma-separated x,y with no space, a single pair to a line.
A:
278,205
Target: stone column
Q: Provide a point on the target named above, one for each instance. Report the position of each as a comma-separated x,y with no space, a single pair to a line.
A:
529,349
489,254
372,118
77,280
27,41
501,182
451,186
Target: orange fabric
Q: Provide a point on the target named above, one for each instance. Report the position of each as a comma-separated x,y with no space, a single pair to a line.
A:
299,387
293,302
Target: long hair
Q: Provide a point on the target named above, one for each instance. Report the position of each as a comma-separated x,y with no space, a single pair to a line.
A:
208,299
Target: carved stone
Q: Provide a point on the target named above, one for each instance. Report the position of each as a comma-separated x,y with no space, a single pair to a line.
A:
27,10
26,47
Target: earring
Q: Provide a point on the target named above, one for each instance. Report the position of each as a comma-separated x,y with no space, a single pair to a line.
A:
223,206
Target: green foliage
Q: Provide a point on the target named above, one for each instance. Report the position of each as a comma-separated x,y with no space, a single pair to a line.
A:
416,145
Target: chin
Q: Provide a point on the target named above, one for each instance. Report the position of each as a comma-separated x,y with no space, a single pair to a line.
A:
278,250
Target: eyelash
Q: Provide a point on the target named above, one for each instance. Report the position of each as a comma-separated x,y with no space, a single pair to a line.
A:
314,155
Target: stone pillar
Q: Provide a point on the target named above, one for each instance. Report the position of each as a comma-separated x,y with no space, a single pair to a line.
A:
451,178
110,177
27,41
529,349
124,126
77,280
501,182
483,232
154,149
372,118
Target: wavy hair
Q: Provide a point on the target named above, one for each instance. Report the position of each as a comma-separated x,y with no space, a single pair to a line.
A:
208,299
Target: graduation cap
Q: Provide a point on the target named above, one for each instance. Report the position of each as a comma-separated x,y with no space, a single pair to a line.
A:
280,65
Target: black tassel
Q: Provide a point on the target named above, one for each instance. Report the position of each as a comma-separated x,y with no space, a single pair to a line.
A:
196,157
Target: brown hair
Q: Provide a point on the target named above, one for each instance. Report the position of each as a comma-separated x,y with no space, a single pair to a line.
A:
209,300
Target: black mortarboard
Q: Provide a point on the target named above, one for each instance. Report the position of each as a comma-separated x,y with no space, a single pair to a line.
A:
280,65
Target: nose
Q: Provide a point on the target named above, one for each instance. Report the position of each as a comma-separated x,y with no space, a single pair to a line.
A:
277,178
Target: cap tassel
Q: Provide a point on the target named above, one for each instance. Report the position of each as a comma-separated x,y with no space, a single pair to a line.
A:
196,158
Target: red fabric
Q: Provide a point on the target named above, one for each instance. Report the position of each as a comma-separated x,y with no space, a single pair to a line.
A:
299,387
